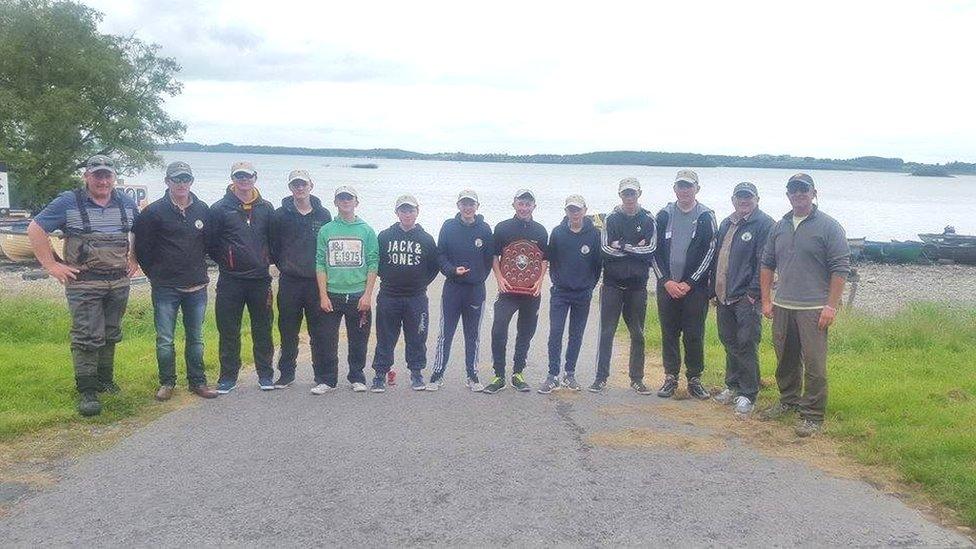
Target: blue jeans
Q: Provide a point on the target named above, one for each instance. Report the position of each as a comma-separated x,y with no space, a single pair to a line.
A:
574,304
166,303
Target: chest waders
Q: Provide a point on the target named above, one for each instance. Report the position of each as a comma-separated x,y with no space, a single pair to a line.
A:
97,297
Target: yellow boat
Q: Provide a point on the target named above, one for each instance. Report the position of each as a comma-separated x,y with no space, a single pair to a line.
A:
16,246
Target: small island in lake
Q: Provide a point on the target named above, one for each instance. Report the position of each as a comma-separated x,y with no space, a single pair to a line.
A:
931,171
369,166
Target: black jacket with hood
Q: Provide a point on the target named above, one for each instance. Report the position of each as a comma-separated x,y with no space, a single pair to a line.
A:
294,237
239,239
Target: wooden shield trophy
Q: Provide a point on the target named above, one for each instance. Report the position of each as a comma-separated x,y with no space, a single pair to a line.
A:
521,266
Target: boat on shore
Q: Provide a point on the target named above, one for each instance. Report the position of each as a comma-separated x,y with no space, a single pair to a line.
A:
895,251
949,246
16,246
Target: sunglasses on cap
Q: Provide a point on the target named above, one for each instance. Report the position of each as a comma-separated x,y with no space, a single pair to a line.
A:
182,179
242,176
798,188
744,194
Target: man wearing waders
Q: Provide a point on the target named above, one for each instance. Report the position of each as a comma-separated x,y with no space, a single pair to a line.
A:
465,249
408,264
97,221
574,268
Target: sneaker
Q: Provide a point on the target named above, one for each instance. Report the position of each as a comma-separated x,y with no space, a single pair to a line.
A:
110,388
434,384
322,389
777,411
639,387
697,390
569,382
519,383
807,428
727,396
225,387
668,387
378,386
417,382
497,384
473,384
598,386
266,384
391,378
88,404
284,381
743,406
549,385
358,387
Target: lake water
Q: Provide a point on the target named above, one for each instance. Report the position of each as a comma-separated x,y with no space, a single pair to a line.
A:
877,205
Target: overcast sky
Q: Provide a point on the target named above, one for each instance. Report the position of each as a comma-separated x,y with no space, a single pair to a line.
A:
825,78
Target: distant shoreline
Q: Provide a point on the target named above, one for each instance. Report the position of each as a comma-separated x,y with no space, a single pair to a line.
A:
604,158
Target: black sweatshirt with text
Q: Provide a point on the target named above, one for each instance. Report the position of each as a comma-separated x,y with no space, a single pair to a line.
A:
408,261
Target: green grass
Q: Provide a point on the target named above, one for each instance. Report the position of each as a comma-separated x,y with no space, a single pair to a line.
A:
38,379
902,393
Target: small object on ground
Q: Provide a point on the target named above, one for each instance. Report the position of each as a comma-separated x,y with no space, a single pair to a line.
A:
807,427
164,393
391,378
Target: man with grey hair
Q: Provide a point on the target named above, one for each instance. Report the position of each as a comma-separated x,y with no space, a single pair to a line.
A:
808,251
683,264
740,240
98,262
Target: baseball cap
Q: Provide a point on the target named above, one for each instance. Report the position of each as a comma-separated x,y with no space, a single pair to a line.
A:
299,174
524,193
468,193
406,199
575,200
798,179
243,166
628,183
346,189
100,162
686,176
745,186
178,168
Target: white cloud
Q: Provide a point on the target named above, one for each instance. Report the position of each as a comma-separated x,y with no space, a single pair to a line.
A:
830,79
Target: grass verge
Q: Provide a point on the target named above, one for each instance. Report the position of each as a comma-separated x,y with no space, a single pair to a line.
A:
38,391
902,394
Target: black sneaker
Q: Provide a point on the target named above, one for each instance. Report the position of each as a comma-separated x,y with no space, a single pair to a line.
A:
667,389
598,386
639,387
88,404
284,381
497,384
697,390
109,387
519,383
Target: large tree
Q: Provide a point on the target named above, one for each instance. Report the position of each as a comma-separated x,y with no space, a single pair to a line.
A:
68,91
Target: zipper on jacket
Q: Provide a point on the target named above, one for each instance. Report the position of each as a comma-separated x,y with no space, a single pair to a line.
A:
230,257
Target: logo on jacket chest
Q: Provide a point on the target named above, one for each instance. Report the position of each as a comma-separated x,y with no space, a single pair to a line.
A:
404,252
198,224
478,243
746,236
584,249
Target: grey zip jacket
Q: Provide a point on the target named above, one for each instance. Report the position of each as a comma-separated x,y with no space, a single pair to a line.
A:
805,258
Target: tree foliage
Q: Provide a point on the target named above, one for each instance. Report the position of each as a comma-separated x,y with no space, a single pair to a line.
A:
68,91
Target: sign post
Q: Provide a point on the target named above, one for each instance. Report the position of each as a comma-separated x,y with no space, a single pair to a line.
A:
4,191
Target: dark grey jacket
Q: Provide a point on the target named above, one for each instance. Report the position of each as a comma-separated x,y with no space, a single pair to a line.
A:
806,258
745,253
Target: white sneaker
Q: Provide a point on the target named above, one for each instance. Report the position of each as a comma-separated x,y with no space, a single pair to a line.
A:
322,389
743,406
725,397
358,387
434,385
475,386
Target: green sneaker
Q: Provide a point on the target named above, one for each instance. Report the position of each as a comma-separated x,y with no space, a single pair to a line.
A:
497,384
519,383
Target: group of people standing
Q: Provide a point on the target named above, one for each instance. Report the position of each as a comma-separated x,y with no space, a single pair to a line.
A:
329,268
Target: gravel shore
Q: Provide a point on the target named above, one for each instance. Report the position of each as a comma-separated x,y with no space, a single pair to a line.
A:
881,289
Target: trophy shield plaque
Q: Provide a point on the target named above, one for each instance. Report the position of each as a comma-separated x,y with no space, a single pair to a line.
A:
521,266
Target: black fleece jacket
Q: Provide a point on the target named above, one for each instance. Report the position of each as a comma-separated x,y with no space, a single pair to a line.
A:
172,247
239,240
293,237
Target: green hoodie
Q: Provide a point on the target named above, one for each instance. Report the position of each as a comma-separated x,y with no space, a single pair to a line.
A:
347,252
